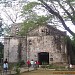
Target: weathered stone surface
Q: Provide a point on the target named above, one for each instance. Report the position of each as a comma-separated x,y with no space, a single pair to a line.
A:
40,39
10,49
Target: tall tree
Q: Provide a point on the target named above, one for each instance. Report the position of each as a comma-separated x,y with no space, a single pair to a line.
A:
10,11
32,19
58,7
1,28
1,50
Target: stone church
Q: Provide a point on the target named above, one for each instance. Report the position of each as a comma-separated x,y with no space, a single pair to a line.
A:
43,43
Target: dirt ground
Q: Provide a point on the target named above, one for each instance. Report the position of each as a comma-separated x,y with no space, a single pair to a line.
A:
48,72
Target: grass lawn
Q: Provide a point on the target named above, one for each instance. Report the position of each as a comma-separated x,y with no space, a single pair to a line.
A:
49,72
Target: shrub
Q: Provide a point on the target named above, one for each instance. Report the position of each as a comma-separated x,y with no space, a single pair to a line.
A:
17,70
20,63
11,65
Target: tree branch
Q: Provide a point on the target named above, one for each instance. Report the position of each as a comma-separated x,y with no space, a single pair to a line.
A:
58,16
69,15
68,2
9,16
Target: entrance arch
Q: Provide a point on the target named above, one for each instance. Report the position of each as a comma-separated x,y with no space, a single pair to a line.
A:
43,57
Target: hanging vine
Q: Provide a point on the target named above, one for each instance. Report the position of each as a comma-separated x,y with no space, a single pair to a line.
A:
19,51
57,41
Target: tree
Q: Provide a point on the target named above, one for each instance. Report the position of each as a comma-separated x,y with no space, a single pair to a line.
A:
1,28
32,19
67,7
71,50
53,13
28,25
10,12
62,10
1,50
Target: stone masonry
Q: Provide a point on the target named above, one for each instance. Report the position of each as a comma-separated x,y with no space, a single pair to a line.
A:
40,39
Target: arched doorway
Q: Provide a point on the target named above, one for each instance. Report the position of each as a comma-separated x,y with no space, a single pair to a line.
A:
43,57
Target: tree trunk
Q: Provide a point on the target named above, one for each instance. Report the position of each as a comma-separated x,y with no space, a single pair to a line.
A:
58,16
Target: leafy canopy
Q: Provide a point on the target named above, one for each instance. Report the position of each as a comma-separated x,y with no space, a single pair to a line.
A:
63,10
32,19
31,24
30,5
1,50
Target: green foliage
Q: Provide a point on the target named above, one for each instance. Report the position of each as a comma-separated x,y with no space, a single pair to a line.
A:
19,51
28,11
44,63
73,40
30,5
17,70
42,20
53,9
26,26
71,0
31,24
1,28
71,49
52,66
32,20
17,67
6,30
20,63
73,45
57,67
1,31
69,44
1,50
11,66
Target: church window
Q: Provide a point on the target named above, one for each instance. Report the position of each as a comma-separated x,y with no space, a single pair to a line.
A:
5,42
30,42
17,29
57,40
42,30
51,59
46,30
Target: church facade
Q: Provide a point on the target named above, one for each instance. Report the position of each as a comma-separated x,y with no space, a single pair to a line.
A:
43,43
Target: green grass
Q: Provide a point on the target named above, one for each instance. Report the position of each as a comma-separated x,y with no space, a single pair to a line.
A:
56,67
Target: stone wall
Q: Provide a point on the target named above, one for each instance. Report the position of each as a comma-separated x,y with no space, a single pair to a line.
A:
23,48
37,44
40,39
11,48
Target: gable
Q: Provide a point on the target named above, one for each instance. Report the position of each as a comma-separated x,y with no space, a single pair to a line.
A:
45,30
37,31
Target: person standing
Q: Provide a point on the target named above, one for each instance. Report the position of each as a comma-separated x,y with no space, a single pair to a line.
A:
5,65
32,63
28,63
38,63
